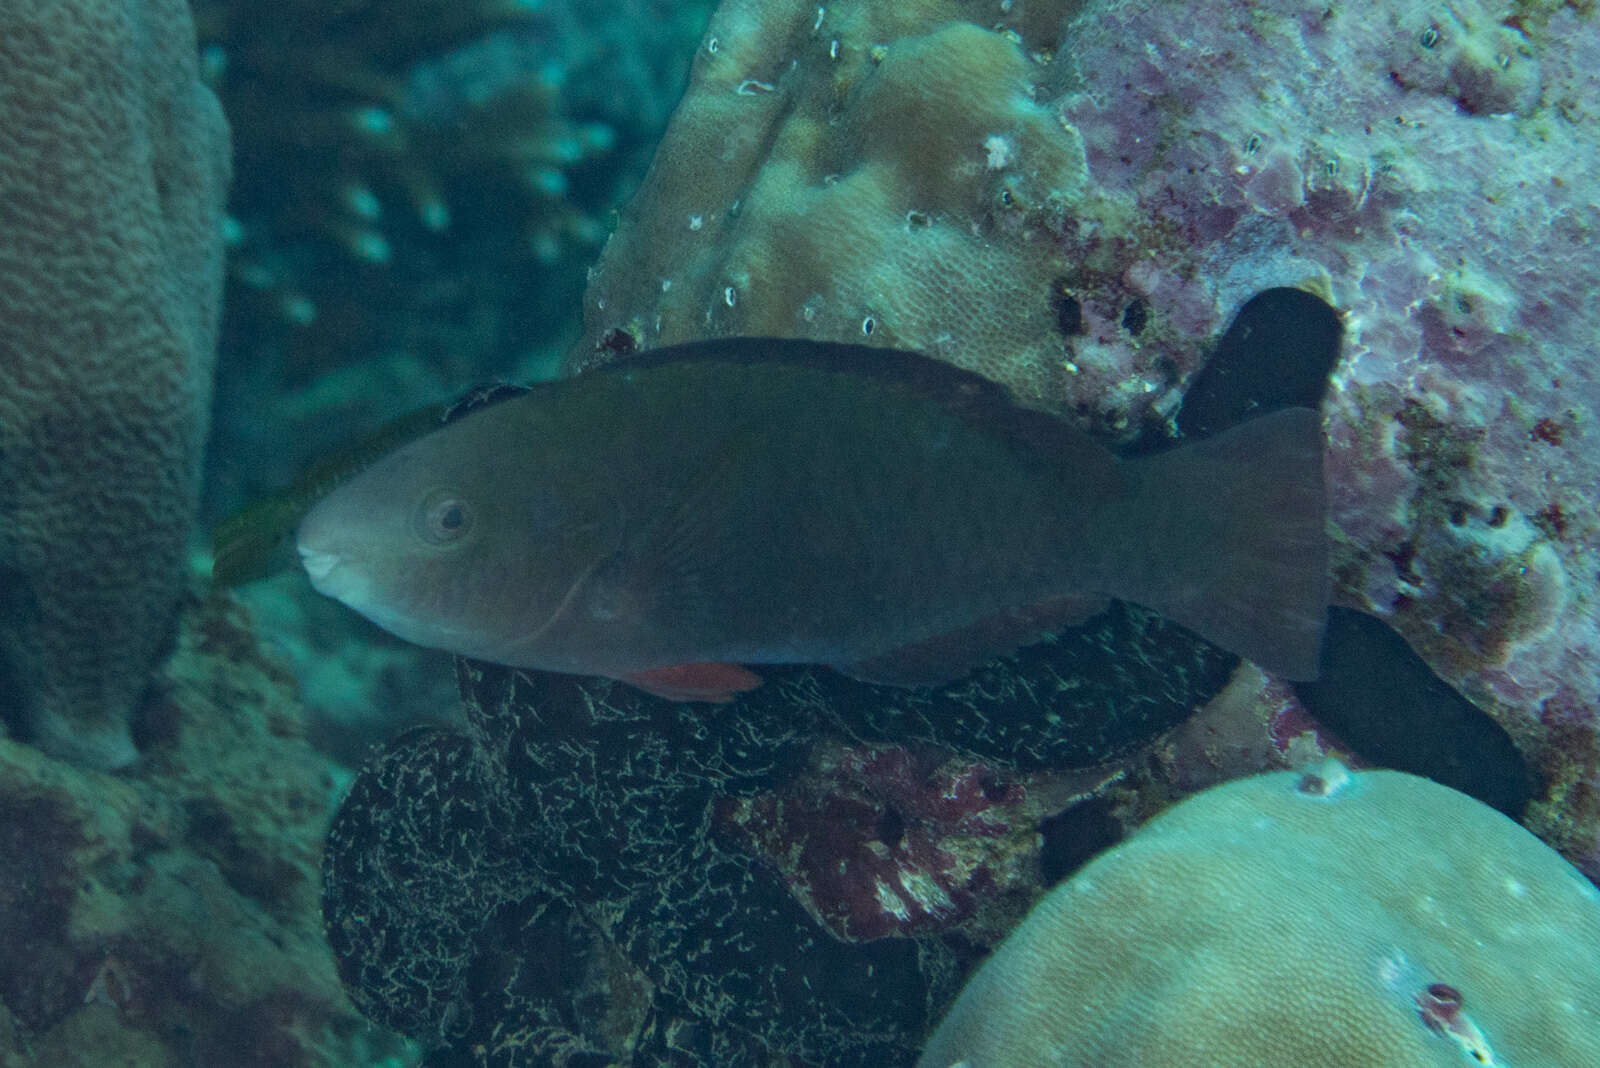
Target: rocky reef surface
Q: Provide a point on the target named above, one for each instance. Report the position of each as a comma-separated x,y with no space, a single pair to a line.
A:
167,915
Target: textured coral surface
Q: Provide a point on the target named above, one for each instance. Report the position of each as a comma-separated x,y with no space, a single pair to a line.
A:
882,840
1070,197
1368,918
113,164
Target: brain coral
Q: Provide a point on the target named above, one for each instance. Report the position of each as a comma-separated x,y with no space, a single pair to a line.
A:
1324,918
1071,197
113,163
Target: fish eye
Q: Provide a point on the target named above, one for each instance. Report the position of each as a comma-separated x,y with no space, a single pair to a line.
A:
443,518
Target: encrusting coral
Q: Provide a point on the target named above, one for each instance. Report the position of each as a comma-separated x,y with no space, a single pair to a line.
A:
899,184
113,167
1307,918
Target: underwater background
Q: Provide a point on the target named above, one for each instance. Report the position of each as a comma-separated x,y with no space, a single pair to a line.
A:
241,826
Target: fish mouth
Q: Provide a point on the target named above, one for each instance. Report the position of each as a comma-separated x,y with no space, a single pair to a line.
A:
318,564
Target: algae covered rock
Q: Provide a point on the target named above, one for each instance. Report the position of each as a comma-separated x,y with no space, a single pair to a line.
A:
1305,918
167,914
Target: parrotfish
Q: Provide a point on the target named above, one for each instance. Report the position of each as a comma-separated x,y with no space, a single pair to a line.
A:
670,518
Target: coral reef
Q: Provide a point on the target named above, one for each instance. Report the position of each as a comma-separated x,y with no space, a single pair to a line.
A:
867,172
1255,723
1311,918
167,915
113,166
439,874
360,686
1369,673
420,187
473,881
1066,196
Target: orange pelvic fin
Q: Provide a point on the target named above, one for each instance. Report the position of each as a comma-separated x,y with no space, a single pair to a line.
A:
712,682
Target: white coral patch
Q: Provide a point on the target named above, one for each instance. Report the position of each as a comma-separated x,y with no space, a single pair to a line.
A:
999,151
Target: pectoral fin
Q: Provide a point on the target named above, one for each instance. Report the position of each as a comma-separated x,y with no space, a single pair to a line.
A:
713,683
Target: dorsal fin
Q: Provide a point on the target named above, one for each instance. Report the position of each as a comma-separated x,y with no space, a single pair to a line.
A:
480,397
965,394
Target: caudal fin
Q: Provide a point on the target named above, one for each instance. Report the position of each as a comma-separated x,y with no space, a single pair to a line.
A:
1231,540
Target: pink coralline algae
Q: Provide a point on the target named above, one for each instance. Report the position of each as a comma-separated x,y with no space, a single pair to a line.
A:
883,840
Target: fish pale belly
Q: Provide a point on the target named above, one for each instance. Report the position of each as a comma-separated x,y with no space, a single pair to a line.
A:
945,657
926,662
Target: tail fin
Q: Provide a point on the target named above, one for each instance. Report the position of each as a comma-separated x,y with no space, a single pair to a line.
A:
1232,540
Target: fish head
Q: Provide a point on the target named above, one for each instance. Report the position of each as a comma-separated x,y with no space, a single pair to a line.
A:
458,541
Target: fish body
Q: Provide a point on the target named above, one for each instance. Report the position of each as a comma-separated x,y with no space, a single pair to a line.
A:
752,500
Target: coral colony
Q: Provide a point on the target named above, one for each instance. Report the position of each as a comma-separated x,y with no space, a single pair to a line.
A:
1298,918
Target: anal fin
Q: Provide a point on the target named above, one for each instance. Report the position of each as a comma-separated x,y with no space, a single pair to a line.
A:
948,656
711,682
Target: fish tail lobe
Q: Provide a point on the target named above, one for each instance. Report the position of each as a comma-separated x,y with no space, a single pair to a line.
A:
1232,540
